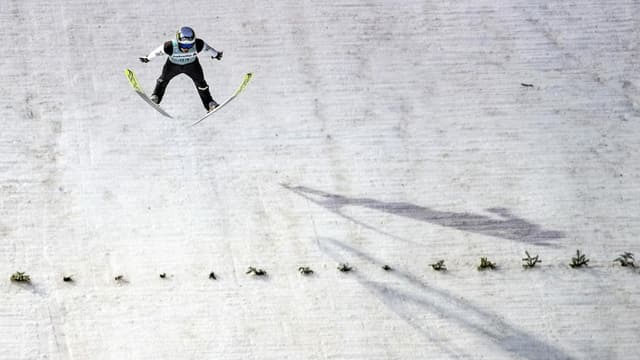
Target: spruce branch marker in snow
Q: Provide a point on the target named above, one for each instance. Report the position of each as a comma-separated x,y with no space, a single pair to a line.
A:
305,270
439,266
212,276
529,261
257,272
344,267
579,261
20,277
486,264
626,259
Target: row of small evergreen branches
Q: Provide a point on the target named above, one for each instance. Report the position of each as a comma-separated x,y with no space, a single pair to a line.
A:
626,259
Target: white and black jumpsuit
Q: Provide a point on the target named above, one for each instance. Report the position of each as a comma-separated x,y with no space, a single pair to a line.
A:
180,62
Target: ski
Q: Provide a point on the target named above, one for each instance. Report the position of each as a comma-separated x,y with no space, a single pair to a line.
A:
242,86
138,89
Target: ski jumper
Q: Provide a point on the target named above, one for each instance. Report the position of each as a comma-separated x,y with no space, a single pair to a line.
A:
181,62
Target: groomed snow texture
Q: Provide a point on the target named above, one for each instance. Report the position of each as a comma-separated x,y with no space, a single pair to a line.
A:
374,133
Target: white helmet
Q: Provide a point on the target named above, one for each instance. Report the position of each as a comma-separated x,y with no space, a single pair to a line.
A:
186,37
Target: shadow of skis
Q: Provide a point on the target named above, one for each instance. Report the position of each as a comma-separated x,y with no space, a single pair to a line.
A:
503,225
411,306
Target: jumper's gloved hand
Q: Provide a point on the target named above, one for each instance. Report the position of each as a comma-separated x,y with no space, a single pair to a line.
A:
144,59
218,57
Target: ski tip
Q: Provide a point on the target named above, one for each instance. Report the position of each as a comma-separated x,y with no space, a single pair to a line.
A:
129,74
246,80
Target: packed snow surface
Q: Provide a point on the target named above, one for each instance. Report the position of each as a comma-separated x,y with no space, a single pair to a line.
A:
373,133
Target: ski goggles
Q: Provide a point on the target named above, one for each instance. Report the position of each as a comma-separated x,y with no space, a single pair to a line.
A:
185,45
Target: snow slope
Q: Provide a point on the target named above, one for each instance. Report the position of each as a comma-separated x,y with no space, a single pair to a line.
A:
374,132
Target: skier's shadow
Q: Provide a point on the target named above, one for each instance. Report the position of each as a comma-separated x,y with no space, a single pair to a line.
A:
411,298
504,225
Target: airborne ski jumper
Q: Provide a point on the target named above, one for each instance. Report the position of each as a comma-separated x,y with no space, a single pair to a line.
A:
183,59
